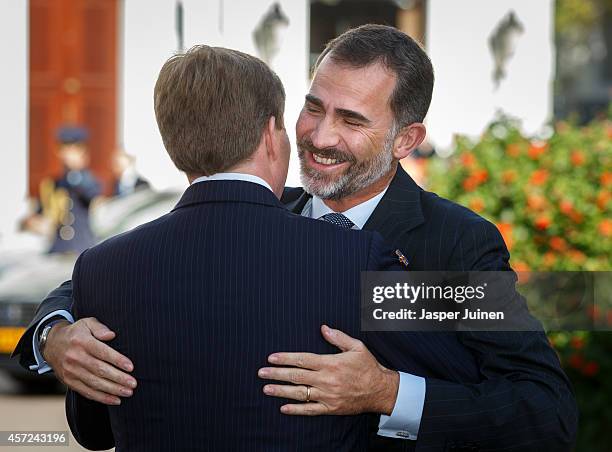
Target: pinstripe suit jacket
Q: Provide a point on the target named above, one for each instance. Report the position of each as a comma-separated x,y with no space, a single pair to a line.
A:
199,298
520,399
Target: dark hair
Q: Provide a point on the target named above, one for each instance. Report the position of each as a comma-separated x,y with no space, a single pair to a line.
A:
369,44
211,106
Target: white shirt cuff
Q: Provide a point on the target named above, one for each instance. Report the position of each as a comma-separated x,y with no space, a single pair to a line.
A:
41,365
405,419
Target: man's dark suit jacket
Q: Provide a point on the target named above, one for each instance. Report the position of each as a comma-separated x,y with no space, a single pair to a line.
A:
200,298
484,391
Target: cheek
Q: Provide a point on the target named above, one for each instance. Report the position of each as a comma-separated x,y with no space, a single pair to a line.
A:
304,125
361,146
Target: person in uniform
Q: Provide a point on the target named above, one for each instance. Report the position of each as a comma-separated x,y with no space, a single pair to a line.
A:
72,194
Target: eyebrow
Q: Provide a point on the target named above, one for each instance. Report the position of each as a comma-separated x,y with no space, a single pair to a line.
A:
348,114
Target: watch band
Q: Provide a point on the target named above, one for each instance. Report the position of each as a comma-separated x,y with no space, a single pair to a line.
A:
44,335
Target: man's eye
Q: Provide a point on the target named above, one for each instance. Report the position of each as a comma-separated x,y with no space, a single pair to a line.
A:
312,109
351,123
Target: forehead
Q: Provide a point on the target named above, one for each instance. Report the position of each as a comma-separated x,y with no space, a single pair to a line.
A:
366,90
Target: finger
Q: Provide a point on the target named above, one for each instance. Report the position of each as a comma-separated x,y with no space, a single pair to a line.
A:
305,409
103,385
341,340
290,375
121,381
106,353
303,360
293,392
92,394
99,330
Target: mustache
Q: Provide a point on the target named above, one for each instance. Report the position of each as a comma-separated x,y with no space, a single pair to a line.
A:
329,153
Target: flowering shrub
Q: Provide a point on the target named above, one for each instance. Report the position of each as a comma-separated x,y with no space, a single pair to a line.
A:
552,202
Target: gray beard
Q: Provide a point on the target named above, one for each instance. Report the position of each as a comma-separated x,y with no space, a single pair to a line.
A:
357,177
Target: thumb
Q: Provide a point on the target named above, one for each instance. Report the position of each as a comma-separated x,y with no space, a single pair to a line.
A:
99,330
341,340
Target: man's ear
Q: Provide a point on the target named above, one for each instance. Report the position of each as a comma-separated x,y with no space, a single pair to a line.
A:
408,139
270,138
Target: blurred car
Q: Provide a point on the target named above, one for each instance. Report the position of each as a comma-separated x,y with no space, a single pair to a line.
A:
28,273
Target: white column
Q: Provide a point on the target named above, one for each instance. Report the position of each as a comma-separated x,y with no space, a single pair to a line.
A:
13,116
465,99
149,38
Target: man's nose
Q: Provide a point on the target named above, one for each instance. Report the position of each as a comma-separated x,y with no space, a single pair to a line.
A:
325,135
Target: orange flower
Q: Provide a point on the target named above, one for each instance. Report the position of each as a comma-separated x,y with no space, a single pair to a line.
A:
505,230
577,158
566,207
468,160
602,199
522,271
606,178
481,175
536,149
513,150
477,204
508,176
577,257
539,177
605,227
576,217
542,222
549,259
558,243
536,202
590,369
469,183
577,343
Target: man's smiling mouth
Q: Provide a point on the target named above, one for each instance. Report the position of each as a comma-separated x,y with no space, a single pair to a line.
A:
323,161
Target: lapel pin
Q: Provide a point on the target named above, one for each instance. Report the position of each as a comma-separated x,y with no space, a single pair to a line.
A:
401,258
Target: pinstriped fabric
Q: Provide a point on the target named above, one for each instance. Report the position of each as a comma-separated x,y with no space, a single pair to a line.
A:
199,298
466,374
485,391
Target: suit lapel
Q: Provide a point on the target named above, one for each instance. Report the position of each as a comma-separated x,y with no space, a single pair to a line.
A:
399,210
295,199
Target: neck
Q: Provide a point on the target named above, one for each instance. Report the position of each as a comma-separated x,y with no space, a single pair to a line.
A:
344,204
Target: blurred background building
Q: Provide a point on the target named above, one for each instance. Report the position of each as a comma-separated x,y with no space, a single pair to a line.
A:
95,62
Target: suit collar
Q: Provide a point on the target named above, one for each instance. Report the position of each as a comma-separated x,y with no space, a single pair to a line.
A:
400,209
397,212
227,191
295,199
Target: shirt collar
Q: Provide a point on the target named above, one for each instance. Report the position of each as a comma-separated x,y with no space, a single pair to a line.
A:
234,176
358,214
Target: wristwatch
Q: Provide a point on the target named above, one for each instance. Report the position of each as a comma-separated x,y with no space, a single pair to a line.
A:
44,335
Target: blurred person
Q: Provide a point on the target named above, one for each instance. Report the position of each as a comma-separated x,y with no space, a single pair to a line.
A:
370,92
127,179
64,203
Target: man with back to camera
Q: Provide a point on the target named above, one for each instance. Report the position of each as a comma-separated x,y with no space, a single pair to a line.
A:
370,92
